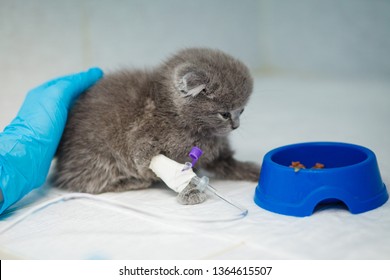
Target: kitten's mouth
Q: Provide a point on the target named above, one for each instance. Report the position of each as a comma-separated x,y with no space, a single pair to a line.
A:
222,132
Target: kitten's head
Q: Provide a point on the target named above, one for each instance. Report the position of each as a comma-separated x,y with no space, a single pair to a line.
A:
210,89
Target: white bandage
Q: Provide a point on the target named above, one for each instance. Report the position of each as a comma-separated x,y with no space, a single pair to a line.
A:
171,172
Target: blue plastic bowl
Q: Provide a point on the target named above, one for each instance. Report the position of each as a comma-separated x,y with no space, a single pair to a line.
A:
351,175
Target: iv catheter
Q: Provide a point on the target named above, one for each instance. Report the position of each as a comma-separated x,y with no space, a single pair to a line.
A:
177,177
202,184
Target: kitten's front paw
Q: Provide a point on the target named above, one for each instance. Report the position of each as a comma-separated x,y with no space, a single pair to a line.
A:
191,195
251,172
246,171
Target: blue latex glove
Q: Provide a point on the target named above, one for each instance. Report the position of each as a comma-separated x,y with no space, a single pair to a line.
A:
29,142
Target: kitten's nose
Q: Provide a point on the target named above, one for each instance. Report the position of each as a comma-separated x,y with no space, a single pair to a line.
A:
235,120
235,126
235,123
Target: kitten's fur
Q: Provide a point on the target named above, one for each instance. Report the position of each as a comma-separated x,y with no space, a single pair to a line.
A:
193,99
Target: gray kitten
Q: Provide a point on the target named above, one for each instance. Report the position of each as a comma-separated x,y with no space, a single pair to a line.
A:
195,98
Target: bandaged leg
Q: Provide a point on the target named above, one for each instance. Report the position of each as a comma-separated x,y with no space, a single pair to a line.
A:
177,179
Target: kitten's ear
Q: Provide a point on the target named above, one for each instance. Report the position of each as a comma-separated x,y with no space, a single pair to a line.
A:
189,80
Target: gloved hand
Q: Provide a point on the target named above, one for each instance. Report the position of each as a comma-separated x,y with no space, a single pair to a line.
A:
29,142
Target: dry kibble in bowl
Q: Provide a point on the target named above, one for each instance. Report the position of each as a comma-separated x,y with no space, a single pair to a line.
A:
318,166
298,166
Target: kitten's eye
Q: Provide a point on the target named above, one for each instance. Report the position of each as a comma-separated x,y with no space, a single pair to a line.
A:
225,115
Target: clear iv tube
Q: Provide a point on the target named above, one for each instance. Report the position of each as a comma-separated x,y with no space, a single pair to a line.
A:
202,184
120,205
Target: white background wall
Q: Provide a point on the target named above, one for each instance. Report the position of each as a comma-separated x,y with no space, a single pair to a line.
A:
41,39
332,37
